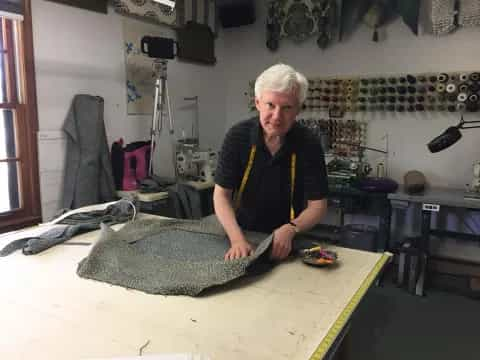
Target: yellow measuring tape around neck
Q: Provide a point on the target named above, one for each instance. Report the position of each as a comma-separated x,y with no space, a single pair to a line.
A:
246,174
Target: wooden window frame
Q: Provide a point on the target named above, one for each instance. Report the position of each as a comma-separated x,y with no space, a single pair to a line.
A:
29,212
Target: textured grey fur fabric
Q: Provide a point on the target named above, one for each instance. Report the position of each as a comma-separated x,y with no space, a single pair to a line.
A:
169,257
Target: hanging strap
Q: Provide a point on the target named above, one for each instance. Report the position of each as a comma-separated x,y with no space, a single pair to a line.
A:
246,174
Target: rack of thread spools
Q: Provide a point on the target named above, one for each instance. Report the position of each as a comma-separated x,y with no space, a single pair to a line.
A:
447,91
342,141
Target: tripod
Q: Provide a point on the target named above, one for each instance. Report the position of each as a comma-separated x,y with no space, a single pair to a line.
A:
161,103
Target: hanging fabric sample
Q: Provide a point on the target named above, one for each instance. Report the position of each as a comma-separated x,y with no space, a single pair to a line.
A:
146,10
443,16
299,20
88,177
379,13
351,14
469,13
196,43
170,256
409,10
197,11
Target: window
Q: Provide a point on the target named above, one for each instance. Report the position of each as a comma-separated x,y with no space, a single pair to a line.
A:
19,189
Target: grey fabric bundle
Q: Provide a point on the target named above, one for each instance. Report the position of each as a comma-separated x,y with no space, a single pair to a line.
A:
169,257
72,225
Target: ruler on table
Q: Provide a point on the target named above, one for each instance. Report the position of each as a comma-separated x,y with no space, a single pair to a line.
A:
347,312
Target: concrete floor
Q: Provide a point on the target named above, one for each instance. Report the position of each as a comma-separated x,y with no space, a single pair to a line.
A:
392,324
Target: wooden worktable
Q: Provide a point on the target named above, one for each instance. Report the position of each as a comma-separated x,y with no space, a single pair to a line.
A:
48,312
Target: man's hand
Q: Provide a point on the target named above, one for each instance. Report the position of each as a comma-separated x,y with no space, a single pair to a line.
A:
282,242
239,249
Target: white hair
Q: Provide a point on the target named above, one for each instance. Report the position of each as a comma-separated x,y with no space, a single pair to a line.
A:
282,78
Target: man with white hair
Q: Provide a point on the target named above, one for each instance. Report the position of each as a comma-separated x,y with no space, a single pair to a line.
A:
271,174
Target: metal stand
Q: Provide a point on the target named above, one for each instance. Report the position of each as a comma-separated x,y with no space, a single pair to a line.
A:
160,103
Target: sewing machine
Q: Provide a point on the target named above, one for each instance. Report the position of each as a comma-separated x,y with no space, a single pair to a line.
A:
196,165
473,190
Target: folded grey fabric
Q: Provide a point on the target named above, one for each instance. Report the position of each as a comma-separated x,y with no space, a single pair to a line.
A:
75,224
169,256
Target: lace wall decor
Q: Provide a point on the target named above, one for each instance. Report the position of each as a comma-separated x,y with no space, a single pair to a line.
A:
300,20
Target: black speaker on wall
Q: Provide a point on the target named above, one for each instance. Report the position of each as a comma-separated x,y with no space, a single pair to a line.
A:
233,13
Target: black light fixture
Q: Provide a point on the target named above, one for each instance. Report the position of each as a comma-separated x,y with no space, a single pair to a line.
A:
450,136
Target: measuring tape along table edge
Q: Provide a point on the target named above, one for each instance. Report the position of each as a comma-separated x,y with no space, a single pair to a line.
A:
347,312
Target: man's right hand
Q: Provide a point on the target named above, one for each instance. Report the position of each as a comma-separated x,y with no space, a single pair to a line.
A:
238,250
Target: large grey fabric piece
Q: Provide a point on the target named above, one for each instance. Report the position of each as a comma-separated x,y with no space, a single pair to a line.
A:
88,175
169,257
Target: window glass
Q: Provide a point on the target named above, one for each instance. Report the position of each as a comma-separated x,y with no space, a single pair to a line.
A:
9,190
7,135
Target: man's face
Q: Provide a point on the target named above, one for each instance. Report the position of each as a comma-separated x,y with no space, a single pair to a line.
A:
278,111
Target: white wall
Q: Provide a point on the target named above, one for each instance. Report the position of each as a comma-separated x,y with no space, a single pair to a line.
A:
79,51
399,52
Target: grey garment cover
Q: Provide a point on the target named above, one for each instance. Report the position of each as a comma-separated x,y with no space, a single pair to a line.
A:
72,225
88,175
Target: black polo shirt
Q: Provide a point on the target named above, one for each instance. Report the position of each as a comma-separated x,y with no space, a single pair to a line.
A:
265,203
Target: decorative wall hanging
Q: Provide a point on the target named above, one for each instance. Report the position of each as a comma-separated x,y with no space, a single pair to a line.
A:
146,10
443,16
198,11
376,13
450,92
447,15
410,11
469,13
351,14
299,20
140,74
196,43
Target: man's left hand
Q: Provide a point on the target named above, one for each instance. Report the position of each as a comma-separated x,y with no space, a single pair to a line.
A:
282,242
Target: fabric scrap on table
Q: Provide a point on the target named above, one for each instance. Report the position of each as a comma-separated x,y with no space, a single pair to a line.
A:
74,224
